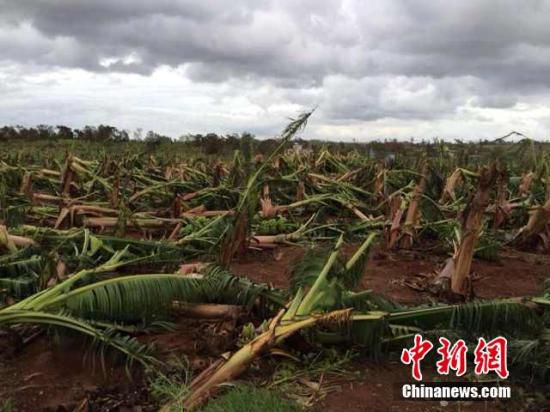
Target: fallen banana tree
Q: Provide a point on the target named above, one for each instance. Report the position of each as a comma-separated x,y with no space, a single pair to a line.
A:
51,307
298,316
107,308
281,327
13,242
322,302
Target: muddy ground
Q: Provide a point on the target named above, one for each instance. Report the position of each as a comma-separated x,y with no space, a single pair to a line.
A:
52,376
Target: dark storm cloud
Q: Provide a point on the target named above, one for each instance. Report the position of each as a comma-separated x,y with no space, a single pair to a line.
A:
367,60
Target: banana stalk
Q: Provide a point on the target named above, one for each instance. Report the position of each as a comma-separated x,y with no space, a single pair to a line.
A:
413,212
472,223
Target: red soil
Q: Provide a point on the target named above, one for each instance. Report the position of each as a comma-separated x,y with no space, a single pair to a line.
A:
521,275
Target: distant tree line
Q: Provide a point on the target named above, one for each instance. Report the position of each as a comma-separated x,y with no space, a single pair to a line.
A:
101,133
209,143
217,144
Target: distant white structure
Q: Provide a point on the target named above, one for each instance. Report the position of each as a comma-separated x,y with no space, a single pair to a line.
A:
299,149
372,153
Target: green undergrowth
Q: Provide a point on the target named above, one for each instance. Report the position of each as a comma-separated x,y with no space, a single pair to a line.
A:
171,383
5,406
304,381
248,398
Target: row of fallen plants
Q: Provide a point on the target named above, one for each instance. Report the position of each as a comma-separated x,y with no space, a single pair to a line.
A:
102,248
205,207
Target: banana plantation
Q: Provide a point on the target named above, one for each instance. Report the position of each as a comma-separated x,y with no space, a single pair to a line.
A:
145,280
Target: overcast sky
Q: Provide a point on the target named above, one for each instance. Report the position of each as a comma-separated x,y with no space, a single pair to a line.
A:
375,69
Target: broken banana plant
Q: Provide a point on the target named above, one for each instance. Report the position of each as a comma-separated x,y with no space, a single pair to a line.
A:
413,216
539,217
304,311
236,237
457,269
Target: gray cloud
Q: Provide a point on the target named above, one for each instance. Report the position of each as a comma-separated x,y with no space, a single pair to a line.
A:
360,61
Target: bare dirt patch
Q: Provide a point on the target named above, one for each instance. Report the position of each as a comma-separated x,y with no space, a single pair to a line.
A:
386,272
